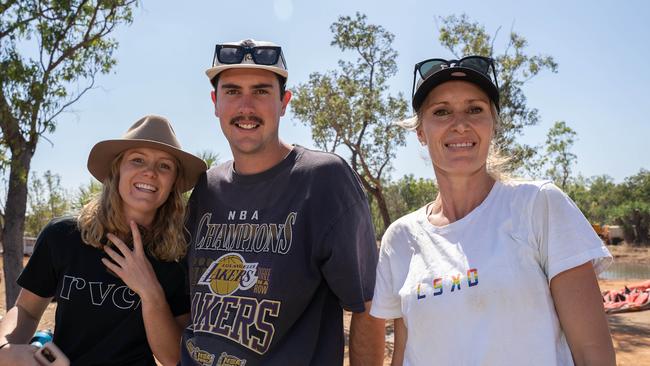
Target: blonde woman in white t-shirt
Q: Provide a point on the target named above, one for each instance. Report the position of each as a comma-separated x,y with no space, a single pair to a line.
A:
493,271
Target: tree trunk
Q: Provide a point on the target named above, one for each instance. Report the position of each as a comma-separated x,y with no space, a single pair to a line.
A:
378,194
383,209
13,230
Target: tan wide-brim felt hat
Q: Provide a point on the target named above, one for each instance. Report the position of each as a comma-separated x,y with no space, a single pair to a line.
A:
153,132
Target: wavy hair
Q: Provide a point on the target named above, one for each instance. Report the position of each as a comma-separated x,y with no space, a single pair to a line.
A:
104,214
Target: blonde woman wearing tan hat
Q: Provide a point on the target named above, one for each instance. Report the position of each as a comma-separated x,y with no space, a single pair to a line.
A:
114,269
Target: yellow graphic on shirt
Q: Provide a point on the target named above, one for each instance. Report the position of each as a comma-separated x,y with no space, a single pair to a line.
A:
230,360
228,274
200,356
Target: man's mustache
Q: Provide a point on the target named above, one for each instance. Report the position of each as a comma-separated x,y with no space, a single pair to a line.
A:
251,118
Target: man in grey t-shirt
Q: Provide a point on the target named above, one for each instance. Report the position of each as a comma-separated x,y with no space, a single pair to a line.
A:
281,237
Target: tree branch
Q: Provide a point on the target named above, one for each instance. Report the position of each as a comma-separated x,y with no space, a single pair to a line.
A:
47,120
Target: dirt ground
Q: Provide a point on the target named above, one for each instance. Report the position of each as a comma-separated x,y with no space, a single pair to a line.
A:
630,331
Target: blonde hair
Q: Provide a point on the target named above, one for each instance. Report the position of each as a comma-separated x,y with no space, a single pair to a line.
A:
496,164
165,240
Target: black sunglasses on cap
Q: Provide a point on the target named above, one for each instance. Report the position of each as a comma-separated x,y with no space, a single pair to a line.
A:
428,68
234,54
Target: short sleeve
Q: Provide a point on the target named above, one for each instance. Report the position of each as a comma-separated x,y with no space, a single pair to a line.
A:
349,267
386,303
39,275
563,234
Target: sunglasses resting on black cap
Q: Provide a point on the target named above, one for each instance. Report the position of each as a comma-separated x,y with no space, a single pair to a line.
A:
475,69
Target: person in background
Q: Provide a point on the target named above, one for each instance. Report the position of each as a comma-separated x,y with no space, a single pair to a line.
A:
114,271
493,271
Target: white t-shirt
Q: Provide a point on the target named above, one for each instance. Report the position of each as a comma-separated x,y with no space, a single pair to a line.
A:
476,291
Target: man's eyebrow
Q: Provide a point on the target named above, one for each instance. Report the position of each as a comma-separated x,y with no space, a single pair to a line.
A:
230,86
262,86
256,86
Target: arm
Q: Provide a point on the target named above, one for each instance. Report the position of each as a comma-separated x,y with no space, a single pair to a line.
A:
367,336
579,307
158,321
162,329
400,342
18,327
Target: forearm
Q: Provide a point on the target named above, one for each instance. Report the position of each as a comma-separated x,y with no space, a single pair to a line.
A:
367,339
17,326
163,333
399,345
580,310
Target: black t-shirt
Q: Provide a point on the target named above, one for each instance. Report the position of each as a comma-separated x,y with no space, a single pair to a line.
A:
273,259
98,318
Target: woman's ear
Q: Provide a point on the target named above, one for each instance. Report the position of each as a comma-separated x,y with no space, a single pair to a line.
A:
420,136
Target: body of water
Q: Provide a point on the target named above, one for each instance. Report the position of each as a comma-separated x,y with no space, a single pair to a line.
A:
624,271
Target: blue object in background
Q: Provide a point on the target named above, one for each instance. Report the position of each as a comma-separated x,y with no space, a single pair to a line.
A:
41,337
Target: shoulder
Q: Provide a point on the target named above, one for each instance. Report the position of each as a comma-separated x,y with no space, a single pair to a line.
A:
402,231
326,170
535,189
526,187
217,172
536,198
65,225
320,161
58,233
212,177
527,191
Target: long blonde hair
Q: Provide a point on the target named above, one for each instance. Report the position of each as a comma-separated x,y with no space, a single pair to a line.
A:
104,214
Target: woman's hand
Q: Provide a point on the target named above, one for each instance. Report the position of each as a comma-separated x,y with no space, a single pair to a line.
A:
132,266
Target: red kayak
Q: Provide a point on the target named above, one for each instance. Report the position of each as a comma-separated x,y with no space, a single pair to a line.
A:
634,297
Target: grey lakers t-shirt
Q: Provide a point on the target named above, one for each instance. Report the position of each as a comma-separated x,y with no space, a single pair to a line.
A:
273,259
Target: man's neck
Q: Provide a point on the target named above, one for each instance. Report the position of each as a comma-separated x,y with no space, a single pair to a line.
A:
258,162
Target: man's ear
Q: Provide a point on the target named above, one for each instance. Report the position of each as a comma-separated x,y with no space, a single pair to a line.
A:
213,95
285,101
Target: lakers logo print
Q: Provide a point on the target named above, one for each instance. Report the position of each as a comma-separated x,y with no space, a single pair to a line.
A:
228,274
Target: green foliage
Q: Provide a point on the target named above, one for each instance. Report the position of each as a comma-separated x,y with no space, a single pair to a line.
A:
558,158
48,51
210,157
72,46
46,200
50,54
402,197
350,107
634,210
86,193
515,67
596,197
626,204
408,194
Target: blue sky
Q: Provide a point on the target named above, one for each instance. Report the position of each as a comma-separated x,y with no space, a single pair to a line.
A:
600,90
